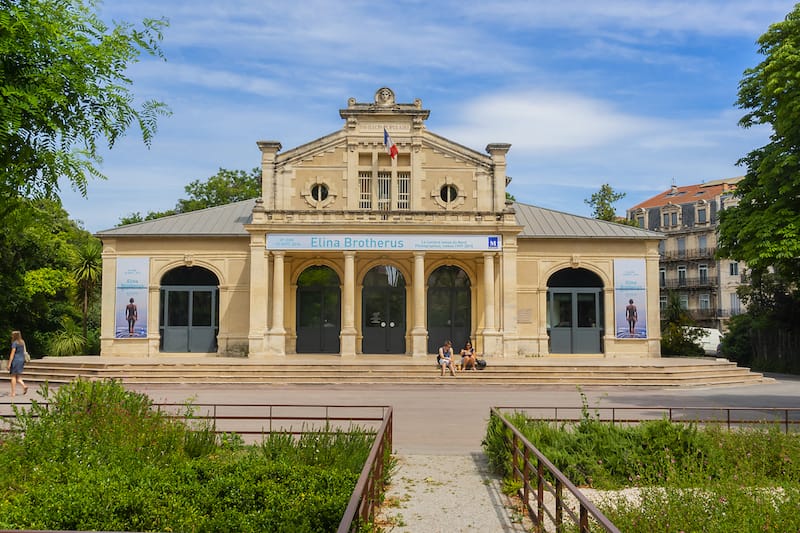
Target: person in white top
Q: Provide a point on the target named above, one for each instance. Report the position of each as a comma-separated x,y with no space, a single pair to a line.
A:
445,358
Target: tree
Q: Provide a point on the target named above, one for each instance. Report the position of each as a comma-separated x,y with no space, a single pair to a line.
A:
64,90
764,228
602,203
224,187
88,272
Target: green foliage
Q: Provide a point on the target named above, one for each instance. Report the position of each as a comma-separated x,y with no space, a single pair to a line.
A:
602,203
41,246
87,273
678,337
67,341
64,88
224,187
764,228
98,457
691,478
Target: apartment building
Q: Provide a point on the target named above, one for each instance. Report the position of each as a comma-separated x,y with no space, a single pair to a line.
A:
689,218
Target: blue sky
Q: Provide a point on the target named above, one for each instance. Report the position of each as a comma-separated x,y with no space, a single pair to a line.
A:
636,94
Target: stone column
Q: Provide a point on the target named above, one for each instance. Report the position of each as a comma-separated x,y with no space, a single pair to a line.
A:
490,336
510,311
348,334
419,333
278,333
257,333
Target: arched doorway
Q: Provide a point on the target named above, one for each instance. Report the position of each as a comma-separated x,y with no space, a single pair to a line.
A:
449,307
575,311
384,311
318,311
189,310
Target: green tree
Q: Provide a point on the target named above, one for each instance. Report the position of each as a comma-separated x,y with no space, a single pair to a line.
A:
63,90
602,203
88,272
224,187
40,245
764,228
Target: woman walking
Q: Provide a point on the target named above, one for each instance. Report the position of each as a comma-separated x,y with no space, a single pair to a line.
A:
16,362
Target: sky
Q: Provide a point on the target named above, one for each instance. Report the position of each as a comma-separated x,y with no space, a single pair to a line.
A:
636,94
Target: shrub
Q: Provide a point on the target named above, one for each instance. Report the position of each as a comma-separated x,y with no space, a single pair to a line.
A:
94,456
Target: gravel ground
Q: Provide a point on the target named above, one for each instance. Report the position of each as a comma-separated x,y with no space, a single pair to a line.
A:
447,493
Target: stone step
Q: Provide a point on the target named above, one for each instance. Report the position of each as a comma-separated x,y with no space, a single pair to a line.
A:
664,372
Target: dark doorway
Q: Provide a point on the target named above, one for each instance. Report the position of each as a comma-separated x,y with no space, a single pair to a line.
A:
189,311
575,311
384,311
318,311
449,308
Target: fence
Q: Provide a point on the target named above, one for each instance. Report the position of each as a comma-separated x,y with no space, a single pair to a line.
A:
788,418
544,471
251,420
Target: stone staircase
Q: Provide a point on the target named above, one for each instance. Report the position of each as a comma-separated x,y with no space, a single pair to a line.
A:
381,369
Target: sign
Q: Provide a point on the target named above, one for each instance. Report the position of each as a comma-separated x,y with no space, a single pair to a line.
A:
130,310
391,243
630,299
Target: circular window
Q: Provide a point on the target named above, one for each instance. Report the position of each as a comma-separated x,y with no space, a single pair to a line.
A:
319,192
448,193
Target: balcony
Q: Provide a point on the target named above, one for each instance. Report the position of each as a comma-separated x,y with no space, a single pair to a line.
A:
688,255
695,282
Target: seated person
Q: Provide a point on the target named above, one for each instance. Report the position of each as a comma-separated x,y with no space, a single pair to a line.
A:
445,358
468,357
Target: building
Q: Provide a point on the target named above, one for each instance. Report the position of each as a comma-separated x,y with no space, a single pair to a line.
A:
379,238
689,217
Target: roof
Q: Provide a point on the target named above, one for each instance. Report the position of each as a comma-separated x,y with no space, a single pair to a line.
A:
221,221
229,220
538,222
690,193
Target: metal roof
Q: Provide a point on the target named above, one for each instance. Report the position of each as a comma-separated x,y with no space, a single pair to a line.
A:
220,221
229,220
538,222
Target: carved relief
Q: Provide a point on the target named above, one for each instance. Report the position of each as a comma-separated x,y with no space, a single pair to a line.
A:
384,97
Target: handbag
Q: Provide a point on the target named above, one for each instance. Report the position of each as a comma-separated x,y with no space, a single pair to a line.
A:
27,357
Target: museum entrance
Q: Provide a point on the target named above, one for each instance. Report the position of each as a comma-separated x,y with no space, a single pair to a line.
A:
318,311
189,311
449,308
384,311
575,311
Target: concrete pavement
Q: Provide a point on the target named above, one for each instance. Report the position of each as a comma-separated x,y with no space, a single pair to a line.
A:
436,420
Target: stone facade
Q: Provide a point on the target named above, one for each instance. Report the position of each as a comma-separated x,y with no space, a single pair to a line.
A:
355,248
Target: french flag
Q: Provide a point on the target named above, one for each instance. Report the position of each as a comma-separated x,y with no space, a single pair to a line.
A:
391,148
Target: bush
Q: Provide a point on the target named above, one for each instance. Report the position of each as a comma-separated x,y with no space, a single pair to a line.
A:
94,456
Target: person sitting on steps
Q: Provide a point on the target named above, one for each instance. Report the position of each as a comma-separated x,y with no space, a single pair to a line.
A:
445,358
468,357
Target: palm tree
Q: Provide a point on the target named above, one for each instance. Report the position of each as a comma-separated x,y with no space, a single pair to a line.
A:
88,273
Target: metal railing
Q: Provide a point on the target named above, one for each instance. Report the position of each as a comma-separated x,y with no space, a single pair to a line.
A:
787,418
263,419
538,475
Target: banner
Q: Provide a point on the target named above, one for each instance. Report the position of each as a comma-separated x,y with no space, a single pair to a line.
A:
630,298
130,310
387,242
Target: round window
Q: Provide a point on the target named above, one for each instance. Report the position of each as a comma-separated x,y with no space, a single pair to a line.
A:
319,192
448,193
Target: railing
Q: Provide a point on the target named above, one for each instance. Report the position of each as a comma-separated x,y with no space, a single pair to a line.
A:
543,471
262,419
788,418
367,495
